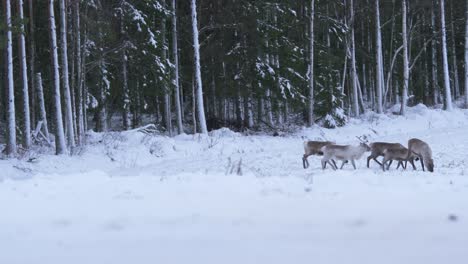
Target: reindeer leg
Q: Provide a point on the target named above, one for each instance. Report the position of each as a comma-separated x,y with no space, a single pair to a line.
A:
368,160
398,166
304,163
390,163
375,158
354,165
342,164
324,164
383,164
422,163
412,163
334,163
333,166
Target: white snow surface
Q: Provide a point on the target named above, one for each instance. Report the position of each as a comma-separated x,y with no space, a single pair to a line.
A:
136,198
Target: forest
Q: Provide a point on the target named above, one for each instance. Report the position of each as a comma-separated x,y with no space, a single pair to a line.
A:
71,66
233,131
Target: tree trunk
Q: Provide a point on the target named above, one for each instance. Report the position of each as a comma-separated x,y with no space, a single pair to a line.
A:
466,56
124,61
456,84
79,78
24,79
269,111
32,61
85,94
224,106
311,118
213,102
65,76
249,109
426,89
175,53
343,79
448,96
167,90
353,63
103,82
196,48
239,119
60,144
194,106
379,59
42,109
435,85
404,96
11,149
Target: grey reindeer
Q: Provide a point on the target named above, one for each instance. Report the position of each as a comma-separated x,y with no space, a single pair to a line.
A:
344,153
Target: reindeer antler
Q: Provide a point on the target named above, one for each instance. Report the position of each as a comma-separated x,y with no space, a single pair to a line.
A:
363,139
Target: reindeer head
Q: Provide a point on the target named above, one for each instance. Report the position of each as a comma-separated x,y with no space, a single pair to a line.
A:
430,165
364,142
365,146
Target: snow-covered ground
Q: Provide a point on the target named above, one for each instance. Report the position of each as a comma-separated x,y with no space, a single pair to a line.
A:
135,198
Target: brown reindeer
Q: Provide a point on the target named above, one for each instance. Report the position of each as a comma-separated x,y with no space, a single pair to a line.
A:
378,148
313,148
399,154
422,150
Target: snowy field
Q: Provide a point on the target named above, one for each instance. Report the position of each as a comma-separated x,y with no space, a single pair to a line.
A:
136,198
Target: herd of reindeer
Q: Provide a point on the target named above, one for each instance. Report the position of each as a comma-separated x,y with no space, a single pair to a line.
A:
417,150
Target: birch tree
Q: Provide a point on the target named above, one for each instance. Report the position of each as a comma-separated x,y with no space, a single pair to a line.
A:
24,79
198,78
60,144
11,149
175,54
311,64
404,96
65,76
448,96
379,58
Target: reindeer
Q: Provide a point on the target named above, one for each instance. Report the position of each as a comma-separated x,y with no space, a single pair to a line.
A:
422,150
313,148
378,149
399,154
344,153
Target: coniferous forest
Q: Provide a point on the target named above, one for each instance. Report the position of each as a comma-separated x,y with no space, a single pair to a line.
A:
69,66
233,131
